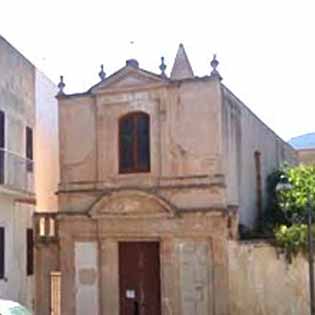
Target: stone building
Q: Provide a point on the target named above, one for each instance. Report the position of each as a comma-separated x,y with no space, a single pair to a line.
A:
155,172
25,95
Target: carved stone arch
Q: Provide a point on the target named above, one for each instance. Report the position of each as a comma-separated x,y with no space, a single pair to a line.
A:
131,203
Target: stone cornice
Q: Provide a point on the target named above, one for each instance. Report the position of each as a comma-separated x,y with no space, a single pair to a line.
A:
212,210
187,182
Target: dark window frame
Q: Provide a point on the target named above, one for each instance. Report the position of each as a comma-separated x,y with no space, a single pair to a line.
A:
136,168
2,145
259,197
29,149
29,252
2,252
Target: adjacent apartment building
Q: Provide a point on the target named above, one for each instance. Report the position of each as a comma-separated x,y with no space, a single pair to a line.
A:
155,173
28,134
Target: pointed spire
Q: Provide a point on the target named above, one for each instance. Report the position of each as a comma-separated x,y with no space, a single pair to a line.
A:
61,85
163,67
102,74
215,73
181,68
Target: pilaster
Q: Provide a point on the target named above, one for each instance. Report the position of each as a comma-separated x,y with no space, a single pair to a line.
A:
109,282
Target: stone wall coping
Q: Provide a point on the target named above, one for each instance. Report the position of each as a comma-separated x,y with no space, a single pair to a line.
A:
257,242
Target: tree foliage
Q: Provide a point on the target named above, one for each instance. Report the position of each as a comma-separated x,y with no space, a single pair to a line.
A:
296,199
287,210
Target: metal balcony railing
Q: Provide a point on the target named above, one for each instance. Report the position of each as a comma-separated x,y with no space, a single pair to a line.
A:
16,172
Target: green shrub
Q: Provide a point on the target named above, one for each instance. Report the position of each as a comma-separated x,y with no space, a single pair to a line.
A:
286,214
302,179
292,239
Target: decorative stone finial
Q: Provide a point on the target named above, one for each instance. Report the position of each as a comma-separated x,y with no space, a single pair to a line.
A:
132,63
162,67
214,64
61,85
102,74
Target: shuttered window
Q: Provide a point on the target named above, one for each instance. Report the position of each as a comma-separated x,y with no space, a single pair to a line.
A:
134,143
2,252
29,252
29,149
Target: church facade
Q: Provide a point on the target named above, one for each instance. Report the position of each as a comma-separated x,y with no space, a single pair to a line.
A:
156,172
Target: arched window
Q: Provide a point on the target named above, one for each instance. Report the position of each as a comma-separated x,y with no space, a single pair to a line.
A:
134,143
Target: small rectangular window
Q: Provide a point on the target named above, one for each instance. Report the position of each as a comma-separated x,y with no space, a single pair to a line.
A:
2,252
29,149
29,252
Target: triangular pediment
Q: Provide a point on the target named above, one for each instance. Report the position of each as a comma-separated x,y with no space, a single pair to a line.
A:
126,78
131,204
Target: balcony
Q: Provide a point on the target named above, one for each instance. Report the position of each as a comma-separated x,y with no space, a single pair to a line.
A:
16,173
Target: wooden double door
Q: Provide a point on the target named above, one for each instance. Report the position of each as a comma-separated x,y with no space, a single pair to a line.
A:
139,278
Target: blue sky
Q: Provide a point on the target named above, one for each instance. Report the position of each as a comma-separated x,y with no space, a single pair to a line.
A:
265,48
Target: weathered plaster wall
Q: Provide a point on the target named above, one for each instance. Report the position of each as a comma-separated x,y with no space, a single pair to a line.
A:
46,149
86,278
196,278
89,143
179,120
243,134
263,283
46,261
16,218
307,156
77,136
192,130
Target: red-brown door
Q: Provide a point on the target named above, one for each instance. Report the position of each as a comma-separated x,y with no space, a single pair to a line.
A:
139,278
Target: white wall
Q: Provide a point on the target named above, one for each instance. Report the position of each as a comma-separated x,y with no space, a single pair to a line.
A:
28,99
16,218
17,100
46,148
244,133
